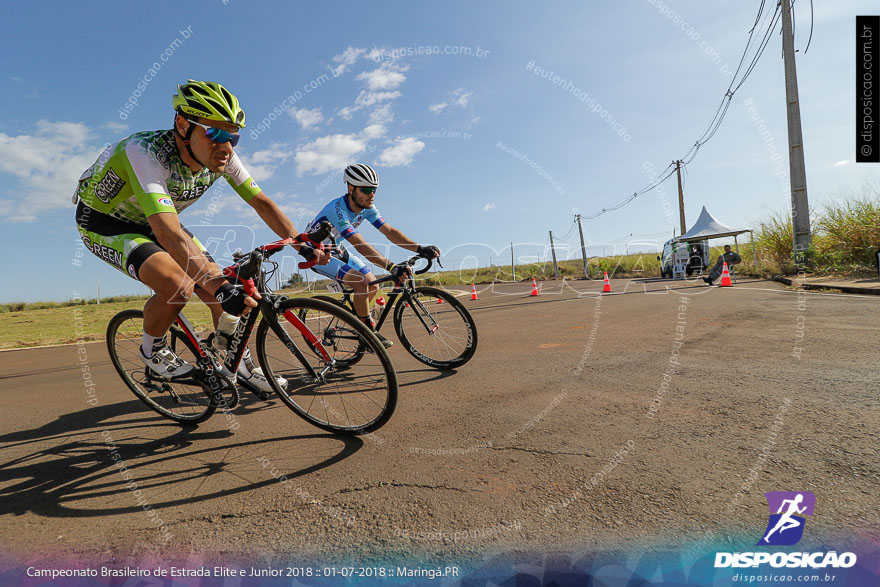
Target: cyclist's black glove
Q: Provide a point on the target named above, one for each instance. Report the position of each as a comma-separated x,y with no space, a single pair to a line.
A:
230,299
428,252
307,251
400,272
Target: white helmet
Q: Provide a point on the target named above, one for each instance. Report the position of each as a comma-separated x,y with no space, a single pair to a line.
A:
362,175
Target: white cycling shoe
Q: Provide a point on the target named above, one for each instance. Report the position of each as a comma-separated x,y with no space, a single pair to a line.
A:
165,363
257,380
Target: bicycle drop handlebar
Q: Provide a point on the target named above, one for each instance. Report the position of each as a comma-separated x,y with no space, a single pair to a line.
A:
410,262
248,266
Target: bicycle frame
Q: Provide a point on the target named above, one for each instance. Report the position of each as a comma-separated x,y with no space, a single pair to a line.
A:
240,337
400,289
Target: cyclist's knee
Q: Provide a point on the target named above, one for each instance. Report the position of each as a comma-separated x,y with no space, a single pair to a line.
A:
166,278
356,281
179,294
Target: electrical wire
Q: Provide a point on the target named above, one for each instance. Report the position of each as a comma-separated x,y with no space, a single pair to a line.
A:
721,111
811,27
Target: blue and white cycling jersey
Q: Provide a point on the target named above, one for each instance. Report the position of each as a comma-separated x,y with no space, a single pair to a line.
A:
345,222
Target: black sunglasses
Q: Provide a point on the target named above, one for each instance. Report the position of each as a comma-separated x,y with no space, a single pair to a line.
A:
367,191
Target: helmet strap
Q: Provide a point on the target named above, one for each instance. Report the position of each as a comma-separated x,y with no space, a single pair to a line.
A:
351,199
186,139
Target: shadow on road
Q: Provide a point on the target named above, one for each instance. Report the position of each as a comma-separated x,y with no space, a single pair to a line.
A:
438,375
71,467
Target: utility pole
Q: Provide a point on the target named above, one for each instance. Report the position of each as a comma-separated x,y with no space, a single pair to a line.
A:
553,252
680,197
800,208
512,266
583,246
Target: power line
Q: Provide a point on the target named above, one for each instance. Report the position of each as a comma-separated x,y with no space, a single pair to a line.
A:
721,111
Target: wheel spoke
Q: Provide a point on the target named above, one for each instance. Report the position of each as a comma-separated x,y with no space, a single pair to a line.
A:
358,389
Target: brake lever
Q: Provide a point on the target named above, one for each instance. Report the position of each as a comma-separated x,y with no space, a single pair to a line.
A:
316,238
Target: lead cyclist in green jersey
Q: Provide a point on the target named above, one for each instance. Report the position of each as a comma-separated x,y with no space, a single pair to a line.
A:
129,201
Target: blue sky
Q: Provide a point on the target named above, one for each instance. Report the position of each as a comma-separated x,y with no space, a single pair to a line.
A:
474,150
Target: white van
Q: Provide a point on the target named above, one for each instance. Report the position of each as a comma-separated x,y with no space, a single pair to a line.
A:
693,254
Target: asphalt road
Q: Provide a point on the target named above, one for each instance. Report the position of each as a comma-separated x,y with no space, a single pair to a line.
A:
584,421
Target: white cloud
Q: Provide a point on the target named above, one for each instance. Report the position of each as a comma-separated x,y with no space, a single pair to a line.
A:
305,117
381,115
841,163
296,210
374,131
262,164
366,99
328,153
463,98
47,165
386,77
401,153
347,58
488,207
460,97
114,126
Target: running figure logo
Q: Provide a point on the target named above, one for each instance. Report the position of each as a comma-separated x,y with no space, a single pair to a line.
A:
786,525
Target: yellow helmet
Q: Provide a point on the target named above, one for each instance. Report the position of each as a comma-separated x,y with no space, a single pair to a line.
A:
208,100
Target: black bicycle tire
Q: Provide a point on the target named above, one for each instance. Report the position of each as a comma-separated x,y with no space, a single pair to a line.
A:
460,308
338,302
375,347
112,328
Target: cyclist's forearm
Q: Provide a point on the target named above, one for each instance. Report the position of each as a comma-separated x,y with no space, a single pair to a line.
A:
273,216
371,254
401,240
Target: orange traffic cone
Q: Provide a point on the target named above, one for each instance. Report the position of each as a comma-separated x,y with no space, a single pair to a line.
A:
607,286
725,276
474,292
534,287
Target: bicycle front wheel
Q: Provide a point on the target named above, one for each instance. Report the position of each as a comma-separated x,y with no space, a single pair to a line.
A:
332,394
345,342
435,328
183,401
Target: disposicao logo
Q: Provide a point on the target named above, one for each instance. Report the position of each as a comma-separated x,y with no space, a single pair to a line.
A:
786,528
786,525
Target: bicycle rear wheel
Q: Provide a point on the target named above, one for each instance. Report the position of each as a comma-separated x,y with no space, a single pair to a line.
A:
335,334
183,401
440,335
341,397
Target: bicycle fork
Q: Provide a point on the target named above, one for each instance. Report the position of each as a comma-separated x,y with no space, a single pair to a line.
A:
414,301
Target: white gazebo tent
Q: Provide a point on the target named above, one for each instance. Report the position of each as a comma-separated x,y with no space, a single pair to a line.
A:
706,227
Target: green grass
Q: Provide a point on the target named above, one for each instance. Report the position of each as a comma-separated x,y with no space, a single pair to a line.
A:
846,235
59,323
42,323
636,265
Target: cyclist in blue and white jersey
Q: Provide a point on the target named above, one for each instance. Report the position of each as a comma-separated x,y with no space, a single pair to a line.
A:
346,214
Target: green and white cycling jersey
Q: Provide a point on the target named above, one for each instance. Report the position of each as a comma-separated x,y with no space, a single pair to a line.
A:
143,175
